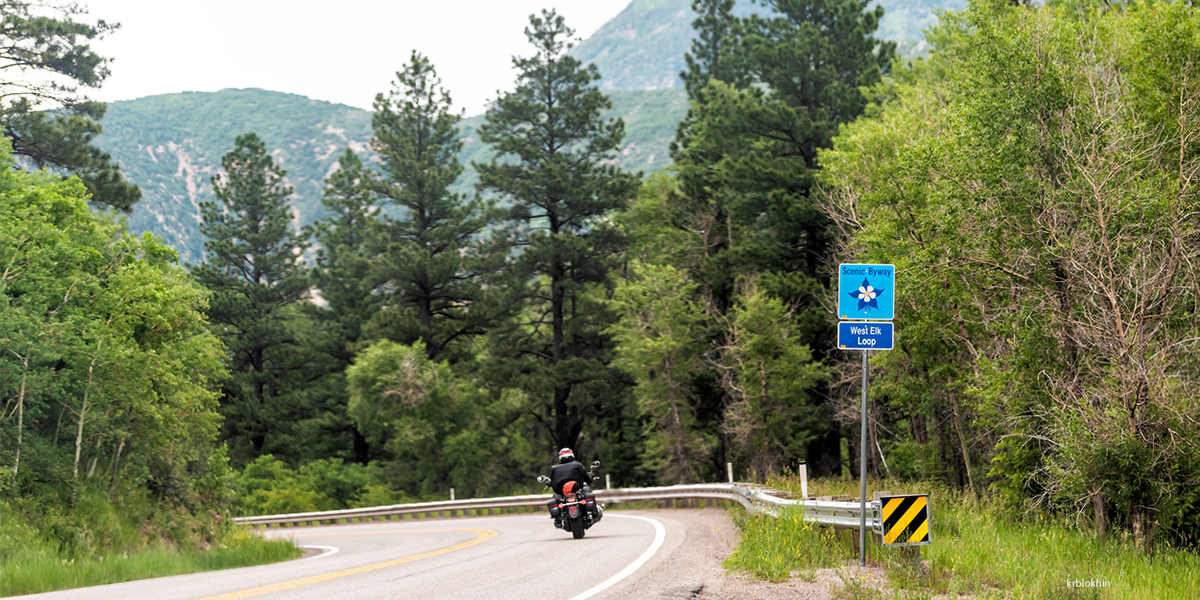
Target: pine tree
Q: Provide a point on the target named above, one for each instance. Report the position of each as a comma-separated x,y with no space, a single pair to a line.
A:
711,55
254,272
430,266
767,94
342,277
45,56
553,149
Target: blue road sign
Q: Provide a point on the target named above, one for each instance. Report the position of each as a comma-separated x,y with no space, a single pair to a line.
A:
867,292
865,335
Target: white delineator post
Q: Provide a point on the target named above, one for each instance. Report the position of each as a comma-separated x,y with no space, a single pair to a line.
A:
452,494
607,482
804,480
729,471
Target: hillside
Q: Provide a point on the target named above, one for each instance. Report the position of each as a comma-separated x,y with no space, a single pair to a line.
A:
643,46
172,144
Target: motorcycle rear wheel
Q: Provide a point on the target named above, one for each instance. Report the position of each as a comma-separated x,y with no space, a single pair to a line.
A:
576,528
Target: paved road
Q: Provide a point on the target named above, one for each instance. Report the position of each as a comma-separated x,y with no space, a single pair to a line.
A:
510,557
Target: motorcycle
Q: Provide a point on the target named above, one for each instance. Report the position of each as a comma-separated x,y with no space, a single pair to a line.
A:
574,507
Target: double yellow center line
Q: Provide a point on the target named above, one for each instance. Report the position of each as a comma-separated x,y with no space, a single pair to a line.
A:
484,535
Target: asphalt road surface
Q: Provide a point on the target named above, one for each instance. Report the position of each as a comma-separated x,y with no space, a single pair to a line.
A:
629,554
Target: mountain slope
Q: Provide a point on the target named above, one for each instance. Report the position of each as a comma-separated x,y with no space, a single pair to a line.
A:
643,46
171,145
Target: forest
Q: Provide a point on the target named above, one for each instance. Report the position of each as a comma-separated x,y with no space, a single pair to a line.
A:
1034,180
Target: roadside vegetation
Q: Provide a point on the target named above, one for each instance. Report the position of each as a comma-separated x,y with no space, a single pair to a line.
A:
98,542
1033,182
979,547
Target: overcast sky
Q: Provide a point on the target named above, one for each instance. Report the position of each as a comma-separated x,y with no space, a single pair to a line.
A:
342,51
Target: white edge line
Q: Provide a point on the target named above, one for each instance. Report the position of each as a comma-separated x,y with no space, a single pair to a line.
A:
328,551
660,535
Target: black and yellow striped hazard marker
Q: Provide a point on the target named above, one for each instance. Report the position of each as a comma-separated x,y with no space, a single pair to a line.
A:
905,520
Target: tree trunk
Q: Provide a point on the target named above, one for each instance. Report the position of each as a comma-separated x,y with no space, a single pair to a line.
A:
1101,512
919,427
966,453
79,430
20,419
112,483
562,391
360,449
95,458
942,463
1143,535
677,425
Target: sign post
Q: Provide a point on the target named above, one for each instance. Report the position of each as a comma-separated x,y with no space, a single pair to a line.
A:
866,293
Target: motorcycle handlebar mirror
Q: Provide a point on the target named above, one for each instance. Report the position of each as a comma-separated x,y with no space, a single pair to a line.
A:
542,479
595,464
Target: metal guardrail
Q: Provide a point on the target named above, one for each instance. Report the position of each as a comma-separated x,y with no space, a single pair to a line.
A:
834,514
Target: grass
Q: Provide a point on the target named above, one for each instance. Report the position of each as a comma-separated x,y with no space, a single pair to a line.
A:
30,563
772,548
978,548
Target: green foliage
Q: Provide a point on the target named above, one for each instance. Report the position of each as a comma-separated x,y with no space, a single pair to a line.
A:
978,547
342,278
1034,178
440,429
430,264
46,49
741,213
768,375
170,144
267,486
644,46
773,547
661,336
552,144
102,343
109,544
107,376
255,276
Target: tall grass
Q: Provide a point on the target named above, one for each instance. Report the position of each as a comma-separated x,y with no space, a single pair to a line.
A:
978,547
772,548
32,562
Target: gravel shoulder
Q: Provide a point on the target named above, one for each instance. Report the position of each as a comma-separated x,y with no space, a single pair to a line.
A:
694,570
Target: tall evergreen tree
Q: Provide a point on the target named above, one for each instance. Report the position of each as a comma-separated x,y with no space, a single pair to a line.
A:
255,274
711,52
342,277
553,149
430,266
747,160
45,56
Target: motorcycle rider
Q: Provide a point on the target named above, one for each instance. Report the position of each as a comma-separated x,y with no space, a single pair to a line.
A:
568,470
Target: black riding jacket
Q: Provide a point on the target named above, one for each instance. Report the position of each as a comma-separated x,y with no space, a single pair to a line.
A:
572,471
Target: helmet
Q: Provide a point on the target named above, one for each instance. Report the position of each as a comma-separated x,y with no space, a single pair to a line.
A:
565,456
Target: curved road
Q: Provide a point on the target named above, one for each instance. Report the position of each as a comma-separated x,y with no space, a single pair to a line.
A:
627,555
